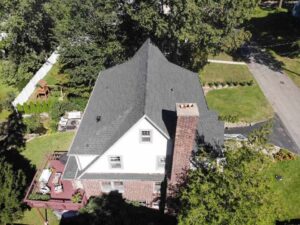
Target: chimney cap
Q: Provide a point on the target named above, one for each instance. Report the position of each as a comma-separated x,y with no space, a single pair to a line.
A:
187,109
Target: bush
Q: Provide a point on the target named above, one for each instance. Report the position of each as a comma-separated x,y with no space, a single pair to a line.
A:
79,103
229,83
284,154
217,83
20,108
77,198
26,108
223,84
210,84
250,83
235,83
229,118
34,125
242,83
59,108
39,196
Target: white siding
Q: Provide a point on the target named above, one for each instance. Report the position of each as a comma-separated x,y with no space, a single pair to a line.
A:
136,157
84,160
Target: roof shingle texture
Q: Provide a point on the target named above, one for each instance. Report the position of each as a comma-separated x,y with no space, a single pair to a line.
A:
148,84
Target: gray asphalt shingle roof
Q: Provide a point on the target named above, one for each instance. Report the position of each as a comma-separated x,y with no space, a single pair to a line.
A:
148,84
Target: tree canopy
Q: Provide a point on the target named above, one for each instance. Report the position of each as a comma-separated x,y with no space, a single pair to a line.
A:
235,193
99,34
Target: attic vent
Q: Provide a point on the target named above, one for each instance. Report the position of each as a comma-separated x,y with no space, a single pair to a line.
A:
98,119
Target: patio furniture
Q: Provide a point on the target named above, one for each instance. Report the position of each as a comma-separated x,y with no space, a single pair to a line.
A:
45,176
56,178
44,189
58,188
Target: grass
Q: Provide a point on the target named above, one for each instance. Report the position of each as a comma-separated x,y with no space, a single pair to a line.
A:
291,67
35,151
54,76
33,218
288,190
279,33
38,148
248,103
225,72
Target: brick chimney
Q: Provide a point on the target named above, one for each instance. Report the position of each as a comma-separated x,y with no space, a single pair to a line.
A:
187,123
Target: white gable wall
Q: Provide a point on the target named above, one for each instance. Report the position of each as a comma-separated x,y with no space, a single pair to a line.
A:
136,157
84,160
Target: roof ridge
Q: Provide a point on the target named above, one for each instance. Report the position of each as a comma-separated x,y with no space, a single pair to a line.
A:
147,73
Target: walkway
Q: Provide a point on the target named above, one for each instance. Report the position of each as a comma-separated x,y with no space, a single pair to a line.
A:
283,95
226,62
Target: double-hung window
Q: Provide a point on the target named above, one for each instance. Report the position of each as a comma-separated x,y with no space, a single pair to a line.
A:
108,186
157,187
146,136
115,162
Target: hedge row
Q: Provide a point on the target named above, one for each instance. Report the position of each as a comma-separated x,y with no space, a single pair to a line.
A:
34,107
230,83
229,118
40,197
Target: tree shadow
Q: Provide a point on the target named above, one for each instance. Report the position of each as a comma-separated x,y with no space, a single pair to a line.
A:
12,142
289,222
112,209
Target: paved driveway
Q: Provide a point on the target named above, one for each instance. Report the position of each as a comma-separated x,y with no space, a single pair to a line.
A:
283,95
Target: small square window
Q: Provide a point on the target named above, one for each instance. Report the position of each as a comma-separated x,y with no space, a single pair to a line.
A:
106,186
161,162
119,186
115,162
146,136
157,187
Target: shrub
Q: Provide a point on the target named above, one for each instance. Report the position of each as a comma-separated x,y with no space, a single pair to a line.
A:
203,83
242,83
59,108
229,118
250,83
34,125
77,198
79,103
210,84
26,108
223,84
217,83
20,108
284,154
39,196
235,83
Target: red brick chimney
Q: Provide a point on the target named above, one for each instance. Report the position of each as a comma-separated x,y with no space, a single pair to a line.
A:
187,124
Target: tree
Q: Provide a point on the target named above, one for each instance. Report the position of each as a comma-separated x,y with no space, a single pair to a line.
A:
235,193
98,34
30,37
11,186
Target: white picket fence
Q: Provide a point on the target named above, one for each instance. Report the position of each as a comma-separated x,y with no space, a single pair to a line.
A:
31,85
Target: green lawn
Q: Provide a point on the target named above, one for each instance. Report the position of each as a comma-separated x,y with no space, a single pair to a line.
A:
35,151
33,218
248,103
288,190
279,33
4,91
291,67
55,77
38,148
225,72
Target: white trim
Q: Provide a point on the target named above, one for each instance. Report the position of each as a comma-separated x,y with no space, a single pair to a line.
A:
157,127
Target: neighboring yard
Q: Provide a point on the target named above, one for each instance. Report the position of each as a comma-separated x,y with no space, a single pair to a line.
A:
288,189
38,148
279,33
5,90
36,151
247,103
225,72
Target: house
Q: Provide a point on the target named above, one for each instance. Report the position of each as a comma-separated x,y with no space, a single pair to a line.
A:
142,116
139,129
